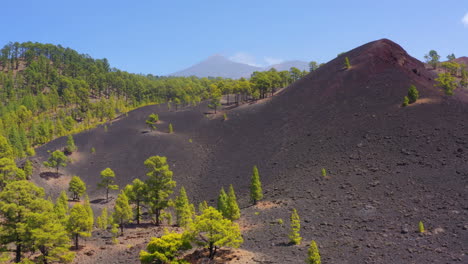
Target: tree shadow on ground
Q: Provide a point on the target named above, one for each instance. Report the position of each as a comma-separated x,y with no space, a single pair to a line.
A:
100,201
49,175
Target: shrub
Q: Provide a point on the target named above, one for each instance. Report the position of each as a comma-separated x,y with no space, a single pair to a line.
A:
324,172
421,227
413,94
171,129
225,116
405,101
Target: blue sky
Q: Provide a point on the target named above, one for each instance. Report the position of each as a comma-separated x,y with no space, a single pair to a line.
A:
161,37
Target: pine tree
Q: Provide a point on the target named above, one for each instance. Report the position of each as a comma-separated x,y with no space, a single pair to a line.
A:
103,220
122,211
9,172
61,207
313,255
160,185
71,147
28,169
152,120
77,187
18,201
89,210
233,207
413,94
50,236
294,236
347,63
184,209
212,230
202,206
107,181
78,223
223,203
56,160
5,149
256,193
136,193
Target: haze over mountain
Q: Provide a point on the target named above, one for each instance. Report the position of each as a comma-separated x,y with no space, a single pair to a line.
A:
220,66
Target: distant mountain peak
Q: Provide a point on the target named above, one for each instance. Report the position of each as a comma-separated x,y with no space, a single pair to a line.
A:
218,65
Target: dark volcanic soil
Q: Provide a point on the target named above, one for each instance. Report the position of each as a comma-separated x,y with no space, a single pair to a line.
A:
388,167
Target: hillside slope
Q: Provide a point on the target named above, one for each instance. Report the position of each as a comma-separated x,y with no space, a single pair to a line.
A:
388,167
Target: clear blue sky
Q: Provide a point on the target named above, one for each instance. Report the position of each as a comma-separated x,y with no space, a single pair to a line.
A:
161,37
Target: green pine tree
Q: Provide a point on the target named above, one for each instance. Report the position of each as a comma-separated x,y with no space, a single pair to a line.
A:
61,207
184,209
202,206
28,169
212,230
103,220
56,160
71,147
122,211
413,94
256,193
136,193
107,181
313,255
233,207
347,63
78,223
77,187
294,236
160,185
223,203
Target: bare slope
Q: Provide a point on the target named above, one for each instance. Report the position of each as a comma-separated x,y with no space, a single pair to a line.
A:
388,167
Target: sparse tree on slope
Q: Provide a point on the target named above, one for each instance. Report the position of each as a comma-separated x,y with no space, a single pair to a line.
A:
313,255
122,211
223,203
77,187
71,147
212,230
78,223
294,236
160,185
107,181
233,207
136,193
56,160
432,58
103,221
152,120
256,193
413,94
347,63
313,66
451,57
184,209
